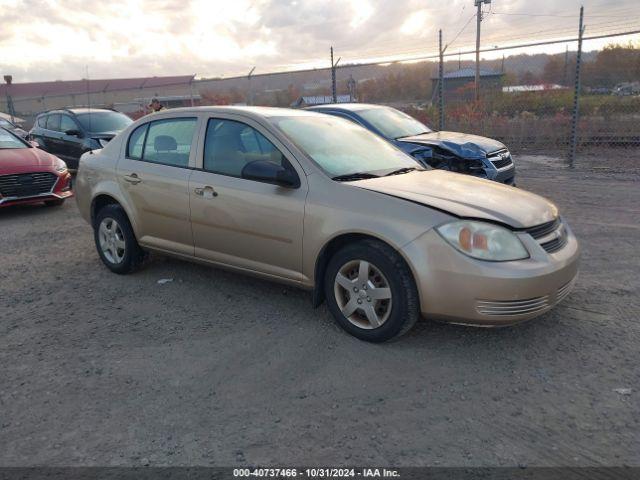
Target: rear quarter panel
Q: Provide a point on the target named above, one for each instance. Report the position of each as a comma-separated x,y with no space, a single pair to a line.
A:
97,176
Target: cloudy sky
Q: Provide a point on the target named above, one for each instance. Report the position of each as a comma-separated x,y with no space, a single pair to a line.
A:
61,39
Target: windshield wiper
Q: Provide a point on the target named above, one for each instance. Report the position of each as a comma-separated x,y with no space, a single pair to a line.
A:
401,171
413,135
354,176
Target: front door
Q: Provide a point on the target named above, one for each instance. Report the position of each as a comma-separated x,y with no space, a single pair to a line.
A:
245,223
154,176
70,148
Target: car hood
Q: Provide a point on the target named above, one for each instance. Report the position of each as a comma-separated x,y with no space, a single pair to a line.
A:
466,196
15,159
460,144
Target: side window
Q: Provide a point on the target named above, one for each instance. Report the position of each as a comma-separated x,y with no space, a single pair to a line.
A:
169,141
42,121
230,145
53,122
136,142
67,123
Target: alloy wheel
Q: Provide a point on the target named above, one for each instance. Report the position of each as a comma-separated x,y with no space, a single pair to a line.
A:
363,294
111,240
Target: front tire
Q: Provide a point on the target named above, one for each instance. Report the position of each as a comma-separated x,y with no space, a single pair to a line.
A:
115,240
371,292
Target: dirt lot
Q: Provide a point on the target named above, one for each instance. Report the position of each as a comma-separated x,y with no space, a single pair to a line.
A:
219,369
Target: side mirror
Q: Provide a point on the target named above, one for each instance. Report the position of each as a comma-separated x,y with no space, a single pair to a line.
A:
34,144
73,132
270,172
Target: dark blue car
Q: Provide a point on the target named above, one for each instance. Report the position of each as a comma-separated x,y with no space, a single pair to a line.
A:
457,152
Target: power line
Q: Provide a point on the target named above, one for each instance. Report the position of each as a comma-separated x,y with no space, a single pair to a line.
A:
461,30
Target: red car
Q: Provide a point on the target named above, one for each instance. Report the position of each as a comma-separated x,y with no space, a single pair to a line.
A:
30,175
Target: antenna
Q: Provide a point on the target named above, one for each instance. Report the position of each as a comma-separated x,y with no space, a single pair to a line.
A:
88,97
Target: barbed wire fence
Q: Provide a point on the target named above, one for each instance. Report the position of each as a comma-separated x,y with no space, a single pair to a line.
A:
571,104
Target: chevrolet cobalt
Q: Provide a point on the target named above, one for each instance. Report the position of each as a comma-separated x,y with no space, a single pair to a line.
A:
321,203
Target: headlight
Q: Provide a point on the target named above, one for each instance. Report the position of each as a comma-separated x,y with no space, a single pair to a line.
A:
484,241
61,166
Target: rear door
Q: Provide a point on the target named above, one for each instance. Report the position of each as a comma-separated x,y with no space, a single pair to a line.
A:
240,222
154,177
52,134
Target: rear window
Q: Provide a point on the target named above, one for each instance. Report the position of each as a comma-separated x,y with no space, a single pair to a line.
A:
103,122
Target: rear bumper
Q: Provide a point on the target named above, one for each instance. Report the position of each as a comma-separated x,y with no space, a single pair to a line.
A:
459,289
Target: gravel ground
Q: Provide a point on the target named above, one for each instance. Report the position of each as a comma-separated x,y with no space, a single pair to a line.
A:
215,368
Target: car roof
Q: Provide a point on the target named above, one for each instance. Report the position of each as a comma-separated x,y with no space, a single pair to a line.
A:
76,111
256,112
346,107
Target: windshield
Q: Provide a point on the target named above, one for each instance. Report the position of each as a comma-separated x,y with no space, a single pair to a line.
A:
8,140
393,123
100,122
340,147
5,123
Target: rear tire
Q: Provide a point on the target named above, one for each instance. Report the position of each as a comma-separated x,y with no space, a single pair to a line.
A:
115,241
54,203
371,292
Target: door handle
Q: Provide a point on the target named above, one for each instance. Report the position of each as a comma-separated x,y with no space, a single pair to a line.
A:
206,192
133,178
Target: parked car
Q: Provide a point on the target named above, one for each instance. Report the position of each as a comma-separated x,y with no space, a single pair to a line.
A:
70,132
30,175
12,127
321,203
457,152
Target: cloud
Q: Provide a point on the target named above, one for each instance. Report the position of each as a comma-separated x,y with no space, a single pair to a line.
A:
57,39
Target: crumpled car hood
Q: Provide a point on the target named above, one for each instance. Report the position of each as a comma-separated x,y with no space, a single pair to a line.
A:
461,144
466,196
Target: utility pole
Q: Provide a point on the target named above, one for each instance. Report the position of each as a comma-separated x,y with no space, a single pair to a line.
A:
576,94
334,94
566,65
9,80
478,4
440,80
250,99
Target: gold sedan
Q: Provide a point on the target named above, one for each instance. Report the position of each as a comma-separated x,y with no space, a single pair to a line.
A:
321,203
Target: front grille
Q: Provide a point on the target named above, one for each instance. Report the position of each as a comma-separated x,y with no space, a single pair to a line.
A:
543,230
564,290
554,245
512,307
552,236
497,308
500,159
26,184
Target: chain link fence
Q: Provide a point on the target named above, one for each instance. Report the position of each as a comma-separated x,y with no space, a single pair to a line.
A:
527,100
